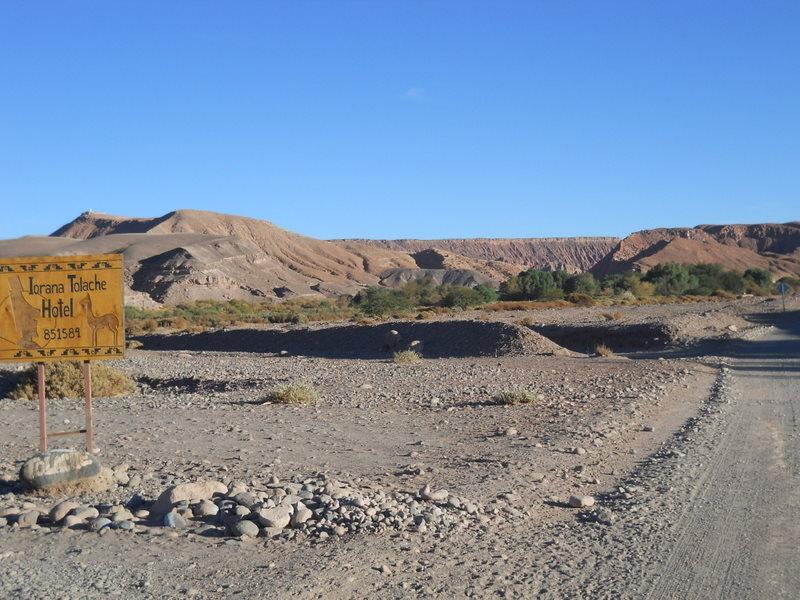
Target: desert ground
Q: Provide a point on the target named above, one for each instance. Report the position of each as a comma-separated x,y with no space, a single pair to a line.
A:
682,449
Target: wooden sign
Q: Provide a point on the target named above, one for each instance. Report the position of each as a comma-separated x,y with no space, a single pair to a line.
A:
61,308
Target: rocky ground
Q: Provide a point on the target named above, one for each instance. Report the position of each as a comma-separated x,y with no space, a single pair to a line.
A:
401,481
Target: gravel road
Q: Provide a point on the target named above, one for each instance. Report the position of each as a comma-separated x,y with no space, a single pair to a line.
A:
739,536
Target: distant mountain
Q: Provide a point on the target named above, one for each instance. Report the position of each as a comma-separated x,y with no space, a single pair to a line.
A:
190,255
771,246
570,254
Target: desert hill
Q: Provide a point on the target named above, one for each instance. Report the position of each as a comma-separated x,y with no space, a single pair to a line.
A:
775,247
189,255
570,254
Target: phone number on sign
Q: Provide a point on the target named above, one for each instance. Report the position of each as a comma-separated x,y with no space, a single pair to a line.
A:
63,333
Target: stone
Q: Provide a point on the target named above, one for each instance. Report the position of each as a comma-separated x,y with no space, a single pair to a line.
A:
87,512
122,515
275,518
391,341
581,501
126,525
648,428
510,431
603,516
61,510
99,523
205,508
434,496
244,528
537,477
201,490
174,521
59,467
301,514
28,519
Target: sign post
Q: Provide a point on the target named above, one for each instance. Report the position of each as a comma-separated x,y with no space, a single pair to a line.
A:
783,287
62,308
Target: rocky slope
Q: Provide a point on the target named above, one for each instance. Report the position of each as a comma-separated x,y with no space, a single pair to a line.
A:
571,254
775,247
191,255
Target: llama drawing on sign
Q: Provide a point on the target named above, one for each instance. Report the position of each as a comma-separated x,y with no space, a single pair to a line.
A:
22,315
98,323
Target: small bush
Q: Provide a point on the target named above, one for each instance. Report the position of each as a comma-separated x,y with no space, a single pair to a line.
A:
526,322
603,350
508,397
406,357
65,380
580,299
293,393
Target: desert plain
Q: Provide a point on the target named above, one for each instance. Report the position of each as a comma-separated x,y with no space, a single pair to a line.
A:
613,477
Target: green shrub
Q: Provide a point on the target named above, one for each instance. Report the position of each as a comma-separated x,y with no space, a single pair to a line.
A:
65,380
761,277
581,299
382,301
582,283
462,297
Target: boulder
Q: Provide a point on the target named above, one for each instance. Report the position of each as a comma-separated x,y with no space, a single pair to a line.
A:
391,341
184,492
276,518
59,467
62,509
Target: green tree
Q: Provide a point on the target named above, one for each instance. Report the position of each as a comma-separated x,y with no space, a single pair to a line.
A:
382,301
761,277
462,297
582,283
671,279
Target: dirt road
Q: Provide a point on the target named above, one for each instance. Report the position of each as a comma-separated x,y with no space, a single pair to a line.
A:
739,536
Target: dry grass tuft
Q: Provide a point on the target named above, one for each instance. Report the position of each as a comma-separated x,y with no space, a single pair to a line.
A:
603,350
526,305
293,393
65,380
407,357
508,397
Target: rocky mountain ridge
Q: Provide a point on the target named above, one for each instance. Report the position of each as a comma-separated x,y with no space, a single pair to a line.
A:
188,255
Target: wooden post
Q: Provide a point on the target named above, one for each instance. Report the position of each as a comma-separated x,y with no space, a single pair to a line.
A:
87,392
42,408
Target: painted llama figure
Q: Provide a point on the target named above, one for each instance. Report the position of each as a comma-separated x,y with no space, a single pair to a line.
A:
98,323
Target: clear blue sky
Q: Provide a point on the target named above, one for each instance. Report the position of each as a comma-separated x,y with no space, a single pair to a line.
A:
402,119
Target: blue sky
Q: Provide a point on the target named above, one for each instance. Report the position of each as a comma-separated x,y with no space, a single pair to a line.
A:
402,119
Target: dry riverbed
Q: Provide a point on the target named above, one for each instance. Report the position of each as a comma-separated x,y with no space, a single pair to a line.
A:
381,430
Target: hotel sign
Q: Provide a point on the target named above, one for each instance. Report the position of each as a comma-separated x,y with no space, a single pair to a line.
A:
61,308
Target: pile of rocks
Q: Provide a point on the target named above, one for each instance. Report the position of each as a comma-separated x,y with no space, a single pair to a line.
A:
317,507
